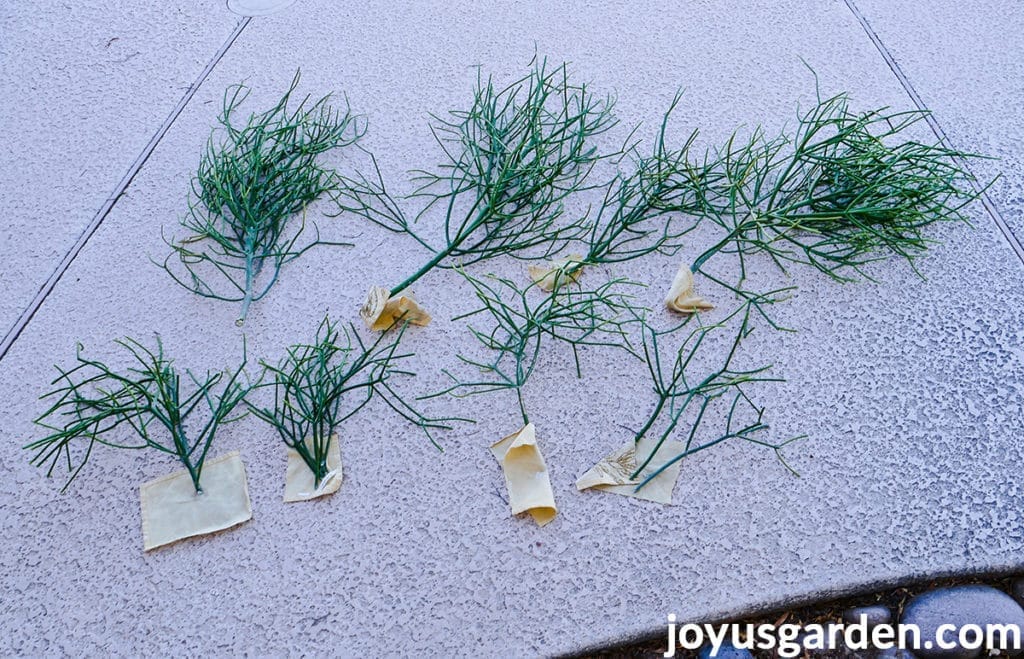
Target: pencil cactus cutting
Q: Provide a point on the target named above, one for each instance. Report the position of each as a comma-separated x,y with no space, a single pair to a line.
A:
511,160
521,321
255,181
151,405
846,189
317,387
650,206
688,387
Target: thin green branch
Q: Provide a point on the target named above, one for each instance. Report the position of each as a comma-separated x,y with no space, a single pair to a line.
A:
654,206
690,389
511,160
255,176
92,400
318,386
844,190
521,321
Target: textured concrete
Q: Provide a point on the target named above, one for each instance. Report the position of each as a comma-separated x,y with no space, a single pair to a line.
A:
964,60
910,390
86,85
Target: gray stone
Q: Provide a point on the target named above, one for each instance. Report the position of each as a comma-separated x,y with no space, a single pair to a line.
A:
727,651
1018,591
959,605
895,653
875,615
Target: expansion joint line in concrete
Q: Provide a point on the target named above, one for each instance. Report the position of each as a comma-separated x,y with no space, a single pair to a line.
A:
933,123
119,190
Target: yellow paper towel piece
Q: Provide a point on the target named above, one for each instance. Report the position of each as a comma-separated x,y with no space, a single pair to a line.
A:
552,274
681,297
526,475
172,510
612,474
380,311
299,481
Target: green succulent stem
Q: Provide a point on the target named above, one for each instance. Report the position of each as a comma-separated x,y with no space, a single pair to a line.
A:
521,321
320,385
255,178
92,401
510,161
427,267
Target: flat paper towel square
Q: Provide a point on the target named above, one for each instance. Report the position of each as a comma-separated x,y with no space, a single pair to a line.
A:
172,510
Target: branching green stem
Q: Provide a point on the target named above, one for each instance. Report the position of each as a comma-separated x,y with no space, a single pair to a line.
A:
92,400
690,389
652,208
522,320
511,160
317,387
845,190
253,179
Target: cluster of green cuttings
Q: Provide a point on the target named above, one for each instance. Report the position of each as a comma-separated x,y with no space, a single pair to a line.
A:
840,193
255,179
318,386
254,182
844,190
511,161
93,399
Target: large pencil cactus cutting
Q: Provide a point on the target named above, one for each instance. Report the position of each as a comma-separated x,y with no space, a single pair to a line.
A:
247,217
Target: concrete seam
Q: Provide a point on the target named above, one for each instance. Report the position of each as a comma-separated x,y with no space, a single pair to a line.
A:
119,190
933,123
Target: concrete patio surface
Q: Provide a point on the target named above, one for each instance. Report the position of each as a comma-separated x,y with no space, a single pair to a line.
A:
911,390
90,85
963,61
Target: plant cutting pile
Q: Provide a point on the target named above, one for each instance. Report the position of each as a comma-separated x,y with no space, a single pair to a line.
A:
511,161
251,185
842,191
318,386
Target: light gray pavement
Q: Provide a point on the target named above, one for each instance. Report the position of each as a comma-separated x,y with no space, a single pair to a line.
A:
86,85
910,390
